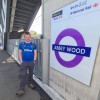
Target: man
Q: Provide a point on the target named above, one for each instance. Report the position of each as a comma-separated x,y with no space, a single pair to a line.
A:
27,56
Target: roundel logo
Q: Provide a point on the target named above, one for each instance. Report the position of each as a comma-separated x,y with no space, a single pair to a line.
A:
80,50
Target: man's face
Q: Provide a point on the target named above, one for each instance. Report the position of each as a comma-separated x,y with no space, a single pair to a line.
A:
27,37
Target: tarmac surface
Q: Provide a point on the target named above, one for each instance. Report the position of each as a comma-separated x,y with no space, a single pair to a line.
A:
9,81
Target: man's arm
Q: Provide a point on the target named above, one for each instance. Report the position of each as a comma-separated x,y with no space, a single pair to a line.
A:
35,55
20,55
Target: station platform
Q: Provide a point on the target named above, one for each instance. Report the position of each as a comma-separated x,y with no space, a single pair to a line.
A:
9,81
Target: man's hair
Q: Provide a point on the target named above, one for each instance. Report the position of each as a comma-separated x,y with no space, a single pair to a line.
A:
27,33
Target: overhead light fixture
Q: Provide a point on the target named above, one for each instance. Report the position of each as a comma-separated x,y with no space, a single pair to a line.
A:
21,30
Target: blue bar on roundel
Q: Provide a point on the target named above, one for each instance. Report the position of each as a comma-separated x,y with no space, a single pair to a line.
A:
77,50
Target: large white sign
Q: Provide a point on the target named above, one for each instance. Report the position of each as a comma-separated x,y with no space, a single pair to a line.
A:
75,31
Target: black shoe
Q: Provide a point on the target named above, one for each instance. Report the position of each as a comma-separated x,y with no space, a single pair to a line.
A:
20,93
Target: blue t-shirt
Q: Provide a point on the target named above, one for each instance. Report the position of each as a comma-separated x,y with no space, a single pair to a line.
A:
27,51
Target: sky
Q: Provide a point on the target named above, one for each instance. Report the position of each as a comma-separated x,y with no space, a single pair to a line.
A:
37,23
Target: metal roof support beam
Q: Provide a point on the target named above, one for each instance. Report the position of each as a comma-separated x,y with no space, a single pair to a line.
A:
19,24
12,14
7,16
23,11
24,18
24,7
19,20
26,2
25,15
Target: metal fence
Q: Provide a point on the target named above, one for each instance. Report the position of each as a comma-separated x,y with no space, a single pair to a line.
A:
12,48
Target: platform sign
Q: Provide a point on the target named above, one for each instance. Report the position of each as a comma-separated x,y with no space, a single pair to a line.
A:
75,32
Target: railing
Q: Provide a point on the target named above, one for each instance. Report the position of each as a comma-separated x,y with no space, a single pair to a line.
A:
12,48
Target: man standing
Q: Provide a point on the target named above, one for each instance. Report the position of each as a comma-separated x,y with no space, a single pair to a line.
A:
27,56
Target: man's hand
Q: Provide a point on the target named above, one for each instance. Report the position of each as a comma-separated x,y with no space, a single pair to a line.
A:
34,61
35,56
20,55
21,61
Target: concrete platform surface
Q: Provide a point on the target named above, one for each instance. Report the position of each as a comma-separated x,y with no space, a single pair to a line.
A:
9,81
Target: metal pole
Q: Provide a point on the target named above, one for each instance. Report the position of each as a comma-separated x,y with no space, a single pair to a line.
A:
45,60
